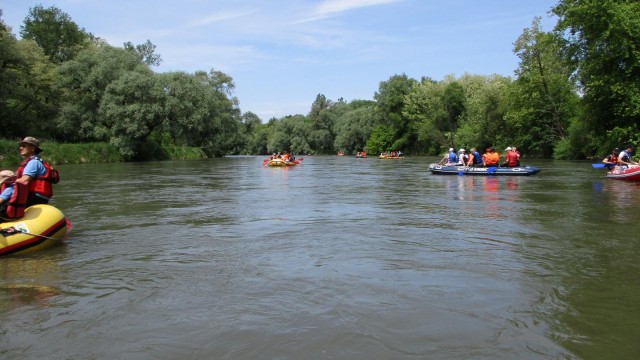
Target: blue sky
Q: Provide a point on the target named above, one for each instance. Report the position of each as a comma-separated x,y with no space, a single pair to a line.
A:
282,53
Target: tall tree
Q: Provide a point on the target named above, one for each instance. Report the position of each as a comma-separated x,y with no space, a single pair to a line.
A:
603,48
28,101
544,98
390,99
54,31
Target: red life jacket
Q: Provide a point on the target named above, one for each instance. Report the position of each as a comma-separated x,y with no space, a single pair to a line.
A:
40,184
18,201
512,159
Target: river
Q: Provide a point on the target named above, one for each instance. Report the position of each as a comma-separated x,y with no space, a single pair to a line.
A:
337,258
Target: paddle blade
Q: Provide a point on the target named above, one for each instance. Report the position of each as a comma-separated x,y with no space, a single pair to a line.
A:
461,173
300,159
491,170
600,166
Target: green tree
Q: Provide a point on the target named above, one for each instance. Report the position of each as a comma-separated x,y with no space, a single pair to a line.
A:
322,118
54,31
82,83
544,99
390,101
146,52
486,103
354,126
601,44
381,139
424,109
28,101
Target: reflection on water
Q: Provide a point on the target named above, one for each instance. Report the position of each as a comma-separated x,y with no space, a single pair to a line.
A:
335,258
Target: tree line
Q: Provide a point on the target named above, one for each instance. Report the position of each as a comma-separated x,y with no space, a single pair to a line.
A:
575,94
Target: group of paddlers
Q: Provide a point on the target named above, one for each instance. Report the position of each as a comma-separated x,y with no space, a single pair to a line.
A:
620,158
286,156
491,158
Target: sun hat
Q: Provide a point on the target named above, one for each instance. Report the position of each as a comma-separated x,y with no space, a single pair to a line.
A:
32,141
451,149
6,175
462,150
508,148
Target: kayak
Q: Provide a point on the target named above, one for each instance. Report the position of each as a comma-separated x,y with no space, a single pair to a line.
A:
41,227
483,171
624,173
390,157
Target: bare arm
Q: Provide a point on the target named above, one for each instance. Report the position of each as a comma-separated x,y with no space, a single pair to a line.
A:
24,179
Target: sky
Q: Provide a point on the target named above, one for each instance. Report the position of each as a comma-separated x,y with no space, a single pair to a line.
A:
282,53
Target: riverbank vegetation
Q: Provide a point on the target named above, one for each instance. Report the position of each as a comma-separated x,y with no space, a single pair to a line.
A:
575,94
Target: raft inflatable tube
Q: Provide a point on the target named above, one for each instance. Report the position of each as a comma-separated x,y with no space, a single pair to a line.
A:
277,162
41,227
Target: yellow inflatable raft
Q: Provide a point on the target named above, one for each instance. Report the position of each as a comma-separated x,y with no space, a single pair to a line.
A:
280,162
42,226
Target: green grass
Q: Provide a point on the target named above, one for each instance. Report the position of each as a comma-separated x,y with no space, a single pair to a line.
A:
58,153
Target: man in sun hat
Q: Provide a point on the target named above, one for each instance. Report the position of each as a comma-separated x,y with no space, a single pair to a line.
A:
34,172
29,142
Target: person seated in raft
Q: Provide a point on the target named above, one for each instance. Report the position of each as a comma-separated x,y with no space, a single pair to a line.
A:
612,159
490,158
474,158
511,159
34,172
515,151
624,158
452,158
13,197
462,157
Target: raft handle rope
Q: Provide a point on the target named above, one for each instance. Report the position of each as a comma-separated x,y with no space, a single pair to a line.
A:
12,231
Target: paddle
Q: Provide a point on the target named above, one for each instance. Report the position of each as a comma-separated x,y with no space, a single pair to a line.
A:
602,165
491,170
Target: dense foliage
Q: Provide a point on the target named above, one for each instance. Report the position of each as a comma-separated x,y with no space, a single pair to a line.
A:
575,94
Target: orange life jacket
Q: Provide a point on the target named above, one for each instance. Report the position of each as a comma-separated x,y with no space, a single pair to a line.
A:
491,158
18,201
40,184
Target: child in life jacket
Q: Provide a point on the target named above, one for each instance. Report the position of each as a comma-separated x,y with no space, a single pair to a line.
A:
13,196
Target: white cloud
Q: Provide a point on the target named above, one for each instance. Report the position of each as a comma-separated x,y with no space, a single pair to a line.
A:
329,8
218,17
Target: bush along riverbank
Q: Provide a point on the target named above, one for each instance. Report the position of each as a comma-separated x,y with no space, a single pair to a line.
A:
102,152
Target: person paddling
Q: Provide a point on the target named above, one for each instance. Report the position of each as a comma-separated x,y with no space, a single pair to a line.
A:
611,160
624,158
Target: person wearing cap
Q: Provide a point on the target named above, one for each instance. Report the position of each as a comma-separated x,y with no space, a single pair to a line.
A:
462,157
511,159
490,158
13,196
7,178
624,158
34,173
452,158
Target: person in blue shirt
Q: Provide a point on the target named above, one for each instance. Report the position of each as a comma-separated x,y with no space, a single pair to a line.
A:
32,170
452,157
